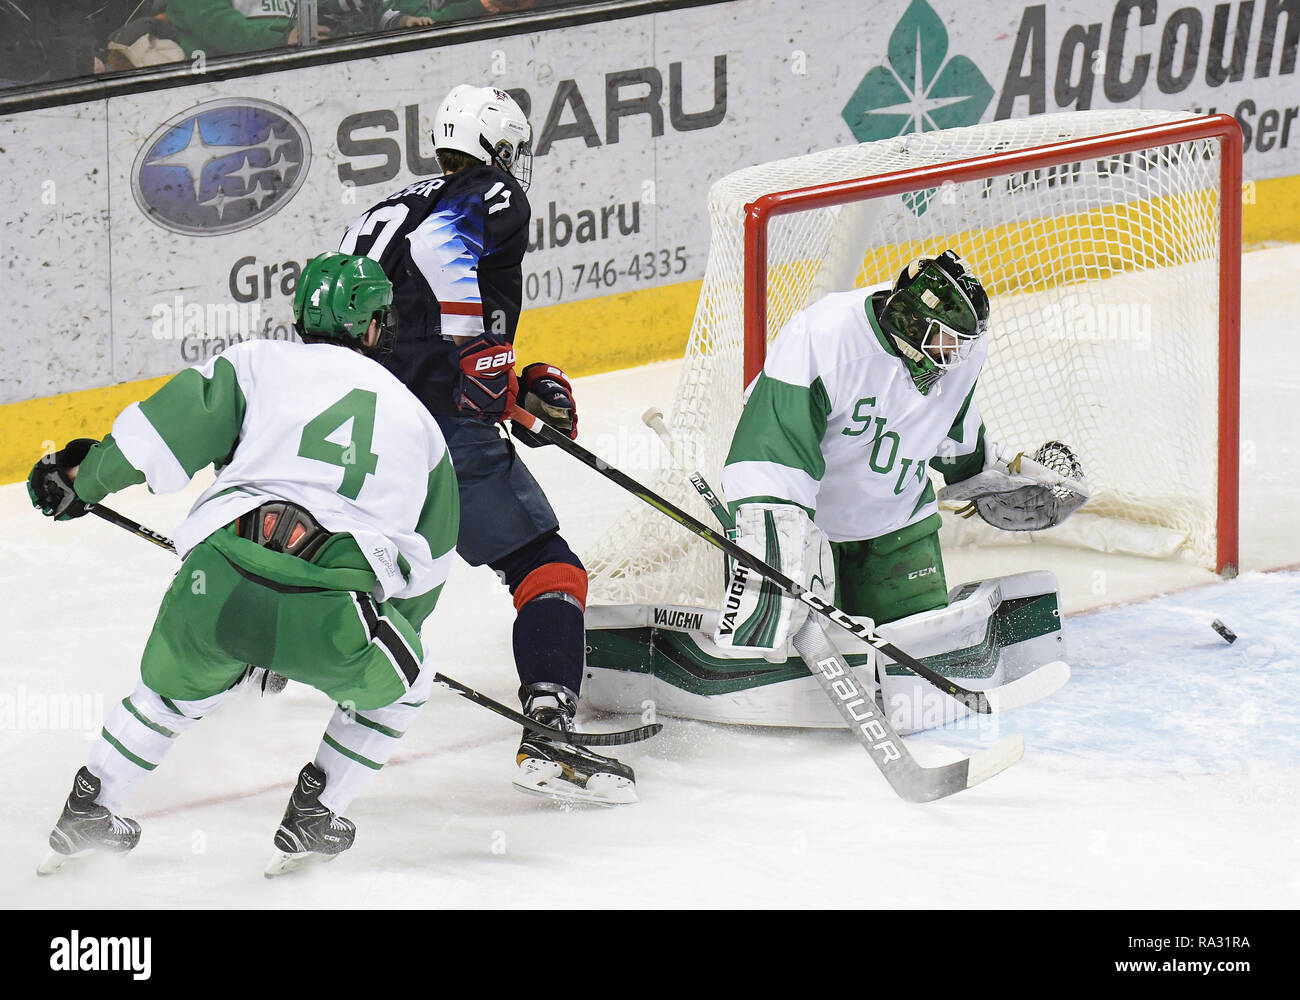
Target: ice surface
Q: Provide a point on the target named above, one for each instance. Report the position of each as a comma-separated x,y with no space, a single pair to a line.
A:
1165,775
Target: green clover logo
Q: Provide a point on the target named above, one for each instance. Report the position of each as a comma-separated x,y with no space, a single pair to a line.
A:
921,88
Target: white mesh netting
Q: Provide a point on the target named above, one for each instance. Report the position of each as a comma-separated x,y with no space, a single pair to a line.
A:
1103,281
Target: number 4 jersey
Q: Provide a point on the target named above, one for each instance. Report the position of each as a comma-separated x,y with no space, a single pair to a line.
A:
318,425
835,424
453,247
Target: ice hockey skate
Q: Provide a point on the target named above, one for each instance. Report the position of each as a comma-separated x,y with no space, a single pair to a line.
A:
564,771
85,827
309,832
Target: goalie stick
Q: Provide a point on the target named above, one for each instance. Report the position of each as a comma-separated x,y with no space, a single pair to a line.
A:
1022,691
576,738
913,781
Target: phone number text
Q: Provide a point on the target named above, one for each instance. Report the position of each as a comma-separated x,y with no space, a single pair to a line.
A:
557,283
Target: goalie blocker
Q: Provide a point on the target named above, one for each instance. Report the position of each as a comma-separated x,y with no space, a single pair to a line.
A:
756,618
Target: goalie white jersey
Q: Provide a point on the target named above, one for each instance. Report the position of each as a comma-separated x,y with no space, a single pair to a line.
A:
835,424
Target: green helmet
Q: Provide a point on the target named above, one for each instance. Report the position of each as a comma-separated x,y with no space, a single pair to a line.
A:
338,295
936,313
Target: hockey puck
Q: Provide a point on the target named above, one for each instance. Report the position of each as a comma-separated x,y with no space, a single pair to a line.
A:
1229,636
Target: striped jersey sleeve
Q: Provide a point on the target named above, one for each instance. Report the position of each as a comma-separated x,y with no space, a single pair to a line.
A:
776,451
446,249
192,422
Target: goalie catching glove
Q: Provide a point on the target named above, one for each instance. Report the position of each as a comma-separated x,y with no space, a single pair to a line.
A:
1022,494
756,617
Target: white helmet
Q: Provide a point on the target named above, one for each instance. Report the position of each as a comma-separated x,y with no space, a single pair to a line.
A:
487,124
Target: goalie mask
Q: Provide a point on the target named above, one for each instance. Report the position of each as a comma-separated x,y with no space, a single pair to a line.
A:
935,315
486,124
337,297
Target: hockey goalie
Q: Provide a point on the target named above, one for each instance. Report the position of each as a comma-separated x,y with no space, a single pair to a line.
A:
828,480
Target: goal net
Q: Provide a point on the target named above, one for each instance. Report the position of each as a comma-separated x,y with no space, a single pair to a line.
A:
1111,255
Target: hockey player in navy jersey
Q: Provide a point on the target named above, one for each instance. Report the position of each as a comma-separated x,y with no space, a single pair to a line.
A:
453,247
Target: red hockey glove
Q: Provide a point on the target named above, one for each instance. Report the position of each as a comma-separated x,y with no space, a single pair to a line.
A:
487,386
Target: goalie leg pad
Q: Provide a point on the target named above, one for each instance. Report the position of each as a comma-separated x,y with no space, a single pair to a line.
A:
756,616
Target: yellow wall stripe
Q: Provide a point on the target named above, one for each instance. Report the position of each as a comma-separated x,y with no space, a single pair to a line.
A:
616,331
28,428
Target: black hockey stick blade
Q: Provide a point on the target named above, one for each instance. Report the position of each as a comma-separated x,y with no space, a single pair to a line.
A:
976,701
577,739
912,780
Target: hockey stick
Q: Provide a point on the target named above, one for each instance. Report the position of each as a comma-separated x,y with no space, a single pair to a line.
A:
912,780
135,527
578,739
654,419
1032,687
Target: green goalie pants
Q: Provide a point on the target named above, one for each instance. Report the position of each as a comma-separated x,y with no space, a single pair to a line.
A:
234,604
892,576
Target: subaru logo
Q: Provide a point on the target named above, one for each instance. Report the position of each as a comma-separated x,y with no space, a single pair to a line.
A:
221,167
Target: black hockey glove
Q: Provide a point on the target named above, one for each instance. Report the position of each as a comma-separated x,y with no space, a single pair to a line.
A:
544,391
50,488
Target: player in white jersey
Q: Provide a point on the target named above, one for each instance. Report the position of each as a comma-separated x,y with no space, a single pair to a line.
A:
317,552
861,395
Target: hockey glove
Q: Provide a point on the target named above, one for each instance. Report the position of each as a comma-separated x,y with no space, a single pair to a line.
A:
1022,493
756,617
50,486
544,391
487,386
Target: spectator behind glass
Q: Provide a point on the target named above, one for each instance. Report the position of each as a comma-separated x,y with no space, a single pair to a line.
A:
368,16
42,41
226,27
